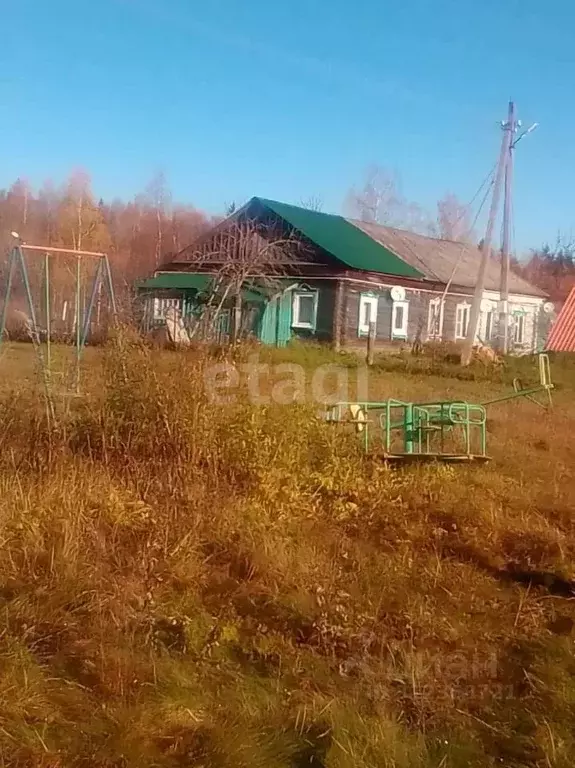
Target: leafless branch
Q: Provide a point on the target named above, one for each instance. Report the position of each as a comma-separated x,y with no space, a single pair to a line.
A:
379,201
245,251
312,203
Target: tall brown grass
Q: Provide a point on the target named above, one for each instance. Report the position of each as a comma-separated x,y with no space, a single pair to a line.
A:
184,584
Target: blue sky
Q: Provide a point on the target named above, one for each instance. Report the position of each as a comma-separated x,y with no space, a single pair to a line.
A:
290,100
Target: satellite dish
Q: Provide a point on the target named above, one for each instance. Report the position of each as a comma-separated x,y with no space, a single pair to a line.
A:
15,235
397,293
548,307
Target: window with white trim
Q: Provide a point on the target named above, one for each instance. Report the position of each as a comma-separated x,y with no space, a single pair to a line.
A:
304,309
519,328
435,319
399,317
368,304
489,325
161,306
462,313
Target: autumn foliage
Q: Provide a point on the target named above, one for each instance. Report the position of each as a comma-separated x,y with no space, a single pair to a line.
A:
142,234
138,235
552,268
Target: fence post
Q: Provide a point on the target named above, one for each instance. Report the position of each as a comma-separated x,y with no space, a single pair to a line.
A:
371,343
236,318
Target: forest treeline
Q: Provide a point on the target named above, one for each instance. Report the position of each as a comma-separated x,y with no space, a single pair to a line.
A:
138,235
141,234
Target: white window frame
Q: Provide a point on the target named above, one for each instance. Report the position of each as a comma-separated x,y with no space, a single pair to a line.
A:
367,300
520,322
399,333
435,333
464,306
488,324
296,322
160,306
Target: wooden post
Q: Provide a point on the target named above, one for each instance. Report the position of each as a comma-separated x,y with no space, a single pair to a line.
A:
338,316
469,341
503,328
237,317
371,343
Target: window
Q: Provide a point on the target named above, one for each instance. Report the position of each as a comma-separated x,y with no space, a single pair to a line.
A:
399,315
519,329
435,319
367,313
161,306
304,309
462,320
489,318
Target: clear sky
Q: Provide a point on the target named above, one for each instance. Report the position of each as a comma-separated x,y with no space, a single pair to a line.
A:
291,99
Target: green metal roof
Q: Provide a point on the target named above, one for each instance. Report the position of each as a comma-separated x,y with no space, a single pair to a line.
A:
344,241
193,281
183,281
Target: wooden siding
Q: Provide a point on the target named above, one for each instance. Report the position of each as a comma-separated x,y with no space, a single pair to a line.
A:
418,303
418,317
339,302
325,310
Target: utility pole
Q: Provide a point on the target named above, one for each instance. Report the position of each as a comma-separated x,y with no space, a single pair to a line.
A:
503,330
486,250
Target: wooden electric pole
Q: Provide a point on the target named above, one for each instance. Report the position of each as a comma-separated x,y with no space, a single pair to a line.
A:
486,249
503,326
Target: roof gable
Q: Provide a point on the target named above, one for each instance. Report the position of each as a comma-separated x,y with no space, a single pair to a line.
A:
341,239
369,247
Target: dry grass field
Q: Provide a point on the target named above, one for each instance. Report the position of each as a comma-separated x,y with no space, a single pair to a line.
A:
236,586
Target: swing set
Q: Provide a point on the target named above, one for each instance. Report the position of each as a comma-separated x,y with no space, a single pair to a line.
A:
41,324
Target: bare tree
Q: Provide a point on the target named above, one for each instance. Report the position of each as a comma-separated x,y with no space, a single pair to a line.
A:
380,201
159,198
80,221
242,253
312,203
18,198
453,219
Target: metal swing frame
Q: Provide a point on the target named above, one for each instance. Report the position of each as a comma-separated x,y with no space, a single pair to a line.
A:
102,278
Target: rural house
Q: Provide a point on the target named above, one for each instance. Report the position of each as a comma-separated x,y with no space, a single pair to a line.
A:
300,273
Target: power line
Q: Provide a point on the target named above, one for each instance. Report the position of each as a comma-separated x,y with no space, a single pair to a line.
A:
462,249
485,196
489,180
466,208
489,176
437,310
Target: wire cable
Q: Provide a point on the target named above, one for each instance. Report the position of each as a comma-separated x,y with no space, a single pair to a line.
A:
489,180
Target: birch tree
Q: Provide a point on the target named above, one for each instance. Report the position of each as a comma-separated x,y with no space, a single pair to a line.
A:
81,223
379,201
453,219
